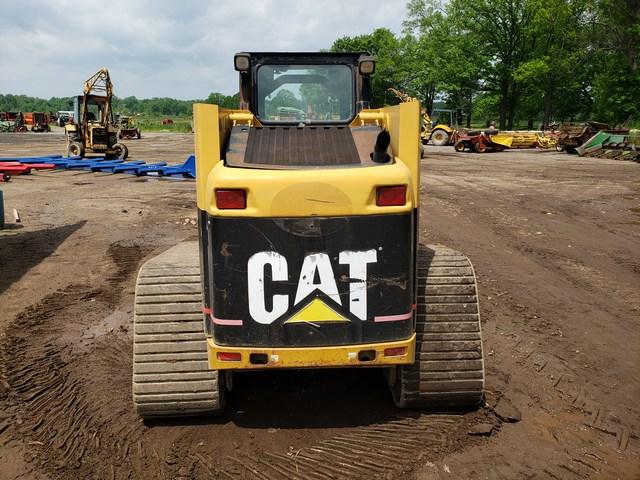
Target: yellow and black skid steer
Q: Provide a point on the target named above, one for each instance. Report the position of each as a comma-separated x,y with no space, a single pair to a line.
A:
309,255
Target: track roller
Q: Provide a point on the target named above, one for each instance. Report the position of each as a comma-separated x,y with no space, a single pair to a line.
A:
448,372
171,375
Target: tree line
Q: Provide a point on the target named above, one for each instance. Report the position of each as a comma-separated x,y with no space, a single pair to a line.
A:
127,105
515,61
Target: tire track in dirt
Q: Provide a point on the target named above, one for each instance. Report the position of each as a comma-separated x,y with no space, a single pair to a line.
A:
596,439
49,373
47,395
384,450
566,274
67,371
572,399
368,452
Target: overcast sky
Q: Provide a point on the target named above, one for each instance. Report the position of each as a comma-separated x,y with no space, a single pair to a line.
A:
180,49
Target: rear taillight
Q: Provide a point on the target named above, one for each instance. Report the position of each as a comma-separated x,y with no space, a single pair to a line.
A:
395,352
229,356
231,199
391,196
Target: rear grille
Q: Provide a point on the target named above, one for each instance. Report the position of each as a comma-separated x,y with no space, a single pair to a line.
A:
99,136
304,146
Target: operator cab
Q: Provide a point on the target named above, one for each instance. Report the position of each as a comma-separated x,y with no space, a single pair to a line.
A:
96,109
303,105
315,89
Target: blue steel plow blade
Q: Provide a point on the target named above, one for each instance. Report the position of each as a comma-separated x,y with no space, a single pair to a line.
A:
86,164
101,164
104,166
129,167
187,169
63,162
115,166
152,169
41,159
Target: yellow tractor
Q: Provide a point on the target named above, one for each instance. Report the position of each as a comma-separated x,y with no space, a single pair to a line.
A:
127,127
309,253
439,134
93,128
442,133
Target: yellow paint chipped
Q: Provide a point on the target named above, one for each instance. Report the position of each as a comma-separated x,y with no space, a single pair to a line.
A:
317,312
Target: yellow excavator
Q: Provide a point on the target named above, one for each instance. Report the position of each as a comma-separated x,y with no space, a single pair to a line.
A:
440,134
309,252
93,128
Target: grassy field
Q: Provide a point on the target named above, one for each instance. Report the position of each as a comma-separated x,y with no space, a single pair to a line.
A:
148,123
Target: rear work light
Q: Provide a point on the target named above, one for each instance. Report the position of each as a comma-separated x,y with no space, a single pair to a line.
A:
231,199
391,196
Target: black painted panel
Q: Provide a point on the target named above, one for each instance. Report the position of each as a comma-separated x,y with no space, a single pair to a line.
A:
276,250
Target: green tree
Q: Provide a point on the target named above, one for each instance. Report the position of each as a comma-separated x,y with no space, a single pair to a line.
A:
616,82
284,98
225,101
444,56
554,81
502,30
383,44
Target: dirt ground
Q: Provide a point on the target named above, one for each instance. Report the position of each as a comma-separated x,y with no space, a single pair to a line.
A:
555,240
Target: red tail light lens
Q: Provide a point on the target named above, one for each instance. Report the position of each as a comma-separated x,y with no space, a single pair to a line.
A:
391,196
231,199
229,356
395,352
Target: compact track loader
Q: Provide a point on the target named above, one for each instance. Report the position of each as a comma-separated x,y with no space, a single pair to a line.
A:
309,253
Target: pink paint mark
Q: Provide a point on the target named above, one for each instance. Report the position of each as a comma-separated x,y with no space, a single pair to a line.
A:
224,321
393,318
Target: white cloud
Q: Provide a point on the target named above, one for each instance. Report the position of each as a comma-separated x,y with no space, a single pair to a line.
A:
165,48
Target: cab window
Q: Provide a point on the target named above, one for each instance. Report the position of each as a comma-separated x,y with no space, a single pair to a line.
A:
305,93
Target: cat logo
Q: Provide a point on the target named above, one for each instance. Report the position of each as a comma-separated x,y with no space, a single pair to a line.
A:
317,311
316,274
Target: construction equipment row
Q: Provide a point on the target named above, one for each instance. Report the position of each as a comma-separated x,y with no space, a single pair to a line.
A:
90,127
613,146
22,122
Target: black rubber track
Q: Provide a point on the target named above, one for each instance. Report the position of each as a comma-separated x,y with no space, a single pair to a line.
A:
449,368
171,375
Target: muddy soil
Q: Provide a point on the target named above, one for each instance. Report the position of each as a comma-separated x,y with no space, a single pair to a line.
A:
555,240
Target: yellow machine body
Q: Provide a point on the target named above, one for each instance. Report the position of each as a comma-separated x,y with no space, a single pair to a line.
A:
309,252
330,192
213,124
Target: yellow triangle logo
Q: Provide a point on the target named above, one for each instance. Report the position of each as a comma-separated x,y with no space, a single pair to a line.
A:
317,312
